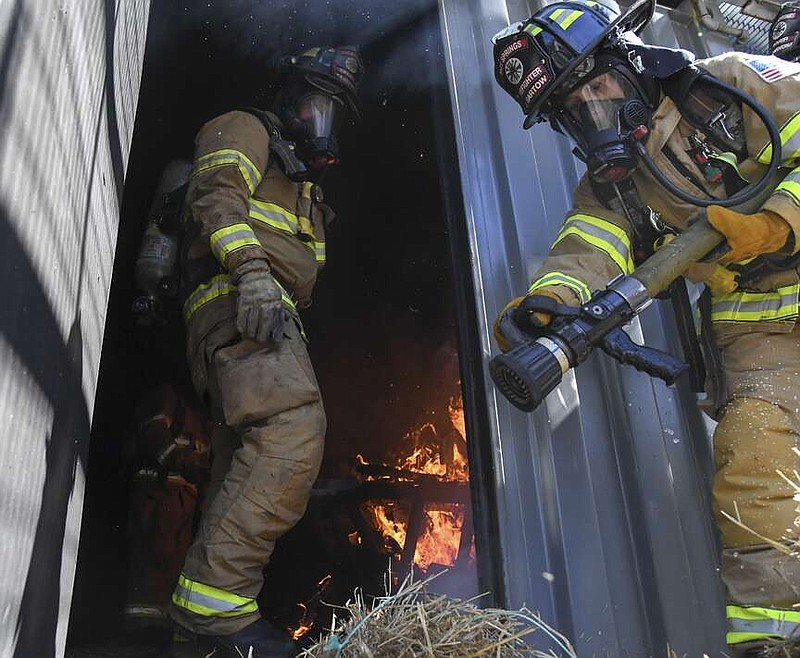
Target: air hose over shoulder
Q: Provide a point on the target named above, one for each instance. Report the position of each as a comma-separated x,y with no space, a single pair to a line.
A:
678,87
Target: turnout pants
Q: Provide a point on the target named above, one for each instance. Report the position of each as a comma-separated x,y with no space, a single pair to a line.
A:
267,451
754,447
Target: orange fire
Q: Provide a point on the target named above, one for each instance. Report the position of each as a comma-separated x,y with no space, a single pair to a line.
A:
305,624
442,456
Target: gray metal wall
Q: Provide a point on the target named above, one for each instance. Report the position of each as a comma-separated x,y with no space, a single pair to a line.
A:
69,83
603,492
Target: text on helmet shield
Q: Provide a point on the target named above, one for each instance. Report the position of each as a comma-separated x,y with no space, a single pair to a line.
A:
537,86
513,47
536,72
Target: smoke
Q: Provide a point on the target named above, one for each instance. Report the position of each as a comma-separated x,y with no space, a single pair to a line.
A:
399,39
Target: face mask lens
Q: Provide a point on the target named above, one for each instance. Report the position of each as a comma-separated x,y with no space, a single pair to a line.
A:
318,113
595,105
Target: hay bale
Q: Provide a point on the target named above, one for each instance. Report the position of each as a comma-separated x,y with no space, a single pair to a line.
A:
414,623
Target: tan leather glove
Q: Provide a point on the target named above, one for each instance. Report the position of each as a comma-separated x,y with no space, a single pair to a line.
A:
749,235
507,335
720,280
260,314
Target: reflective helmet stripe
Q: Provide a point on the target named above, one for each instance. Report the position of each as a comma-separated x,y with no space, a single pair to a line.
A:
567,20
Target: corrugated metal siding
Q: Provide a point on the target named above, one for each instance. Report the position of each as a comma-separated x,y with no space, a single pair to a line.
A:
603,493
69,83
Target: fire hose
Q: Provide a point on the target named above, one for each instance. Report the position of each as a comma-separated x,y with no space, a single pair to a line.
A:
529,371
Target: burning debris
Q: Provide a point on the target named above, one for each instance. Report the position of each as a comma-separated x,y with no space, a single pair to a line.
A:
427,514
413,623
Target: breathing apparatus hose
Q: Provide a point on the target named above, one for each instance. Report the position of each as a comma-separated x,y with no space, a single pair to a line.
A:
746,193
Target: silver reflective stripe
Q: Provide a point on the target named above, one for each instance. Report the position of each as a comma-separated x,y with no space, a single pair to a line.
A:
781,628
791,185
602,235
224,157
790,142
561,279
750,622
781,304
230,238
274,216
194,599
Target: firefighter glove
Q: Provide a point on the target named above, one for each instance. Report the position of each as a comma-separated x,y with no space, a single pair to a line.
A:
512,328
260,314
749,235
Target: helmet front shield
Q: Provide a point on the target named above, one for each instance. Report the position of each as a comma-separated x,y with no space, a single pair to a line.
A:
552,50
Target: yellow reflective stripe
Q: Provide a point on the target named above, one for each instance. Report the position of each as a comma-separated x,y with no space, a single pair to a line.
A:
211,601
228,239
601,234
752,623
273,215
533,30
728,158
281,219
319,250
780,304
790,142
218,286
569,20
225,157
561,279
791,185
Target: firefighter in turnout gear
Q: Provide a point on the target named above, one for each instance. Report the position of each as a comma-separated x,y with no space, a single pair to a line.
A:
662,134
255,244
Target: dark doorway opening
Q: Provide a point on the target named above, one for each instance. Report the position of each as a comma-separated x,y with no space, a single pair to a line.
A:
383,330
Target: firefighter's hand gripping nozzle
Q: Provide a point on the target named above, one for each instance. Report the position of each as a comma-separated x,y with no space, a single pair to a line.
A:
531,370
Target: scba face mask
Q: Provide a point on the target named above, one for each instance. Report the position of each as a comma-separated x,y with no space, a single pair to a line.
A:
602,114
317,117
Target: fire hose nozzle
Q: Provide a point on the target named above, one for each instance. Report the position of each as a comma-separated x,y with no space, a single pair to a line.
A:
526,374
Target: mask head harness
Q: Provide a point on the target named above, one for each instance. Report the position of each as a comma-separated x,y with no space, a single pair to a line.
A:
319,85
580,65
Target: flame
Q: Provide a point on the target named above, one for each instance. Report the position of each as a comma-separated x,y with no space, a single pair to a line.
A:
440,541
444,457
305,623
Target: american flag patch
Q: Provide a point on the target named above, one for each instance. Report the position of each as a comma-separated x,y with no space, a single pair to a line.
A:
772,68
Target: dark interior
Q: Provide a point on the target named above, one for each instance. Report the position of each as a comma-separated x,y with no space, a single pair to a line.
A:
384,337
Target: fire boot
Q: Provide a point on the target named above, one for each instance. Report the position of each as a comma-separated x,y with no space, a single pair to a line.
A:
260,639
